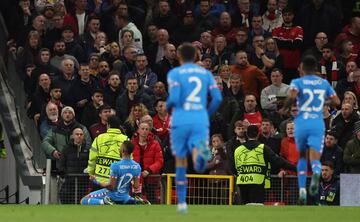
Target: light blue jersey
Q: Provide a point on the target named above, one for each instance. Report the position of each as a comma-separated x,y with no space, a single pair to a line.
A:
312,93
189,87
309,124
124,171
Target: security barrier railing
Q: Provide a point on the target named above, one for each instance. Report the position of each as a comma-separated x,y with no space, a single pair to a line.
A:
202,189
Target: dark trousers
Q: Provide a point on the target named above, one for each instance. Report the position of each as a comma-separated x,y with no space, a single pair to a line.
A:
252,193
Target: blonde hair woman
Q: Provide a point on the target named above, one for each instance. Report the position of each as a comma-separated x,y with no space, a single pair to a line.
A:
132,122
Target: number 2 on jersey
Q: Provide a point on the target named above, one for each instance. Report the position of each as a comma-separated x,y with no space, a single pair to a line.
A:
193,96
308,106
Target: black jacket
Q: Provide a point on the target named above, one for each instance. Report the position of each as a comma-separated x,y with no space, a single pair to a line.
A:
334,155
75,159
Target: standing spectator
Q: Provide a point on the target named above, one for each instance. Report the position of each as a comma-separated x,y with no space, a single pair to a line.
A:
94,59
147,152
272,51
66,80
130,97
101,126
352,151
331,68
225,28
39,98
355,85
113,56
113,89
30,52
206,42
54,33
74,161
43,66
269,136
272,17
264,61
235,88
242,14
333,153
254,80
205,19
105,151
126,39
124,23
288,148
318,15
188,31
250,114
82,90
320,40
103,73
51,120
289,39
156,52
270,96
159,91
128,64
72,45
57,139
344,122
90,114
167,63
59,55
329,189
87,39
161,120
238,139
78,18
145,77
352,33
257,29
253,184
166,19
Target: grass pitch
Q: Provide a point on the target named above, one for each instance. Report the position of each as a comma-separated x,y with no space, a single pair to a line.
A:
162,213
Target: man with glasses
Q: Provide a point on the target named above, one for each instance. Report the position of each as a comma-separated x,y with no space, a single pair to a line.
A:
320,40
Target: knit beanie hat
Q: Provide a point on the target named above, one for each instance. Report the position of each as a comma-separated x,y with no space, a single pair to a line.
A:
67,108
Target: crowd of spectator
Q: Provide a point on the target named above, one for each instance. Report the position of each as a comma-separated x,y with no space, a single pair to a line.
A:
82,61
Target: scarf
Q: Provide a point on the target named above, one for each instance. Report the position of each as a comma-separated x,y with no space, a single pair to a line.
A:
245,20
334,69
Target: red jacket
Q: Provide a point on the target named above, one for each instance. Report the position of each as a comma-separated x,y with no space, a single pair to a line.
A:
150,156
161,127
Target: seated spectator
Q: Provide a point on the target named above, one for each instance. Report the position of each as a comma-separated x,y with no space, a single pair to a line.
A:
330,66
345,53
39,98
132,122
90,114
78,17
188,30
219,53
128,65
205,19
156,52
350,97
272,51
235,88
258,57
147,152
329,189
161,120
101,126
57,140
333,153
123,22
126,39
224,72
87,39
241,43
166,18
287,118
355,85
74,161
352,151
30,52
343,123
131,96
51,119
113,90
99,44
159,91
271,95
346,84
145,77
320,40
54,27
352,33
288,148
254,80
206,41
94,59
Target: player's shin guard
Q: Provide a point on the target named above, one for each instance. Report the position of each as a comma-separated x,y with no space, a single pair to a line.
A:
91,201
181,184
301,171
